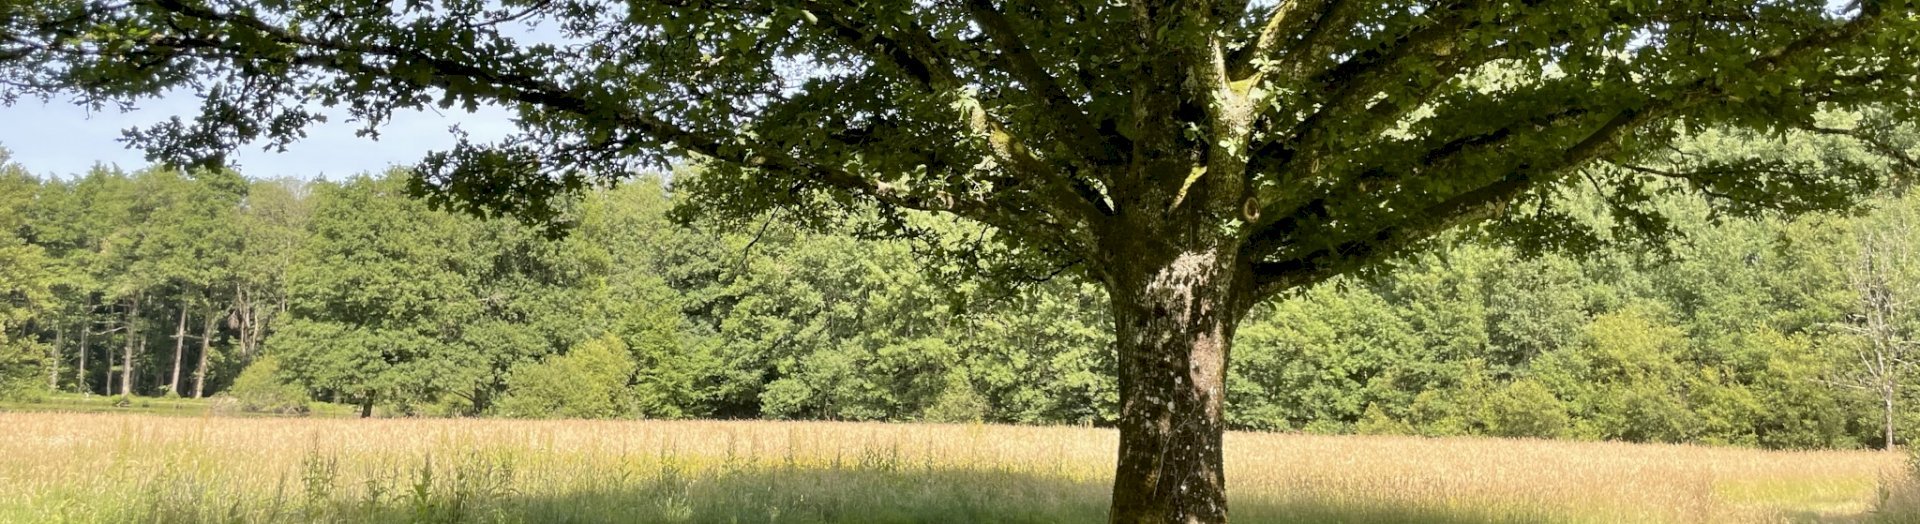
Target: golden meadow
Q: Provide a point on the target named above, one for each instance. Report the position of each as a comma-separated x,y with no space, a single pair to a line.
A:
141,468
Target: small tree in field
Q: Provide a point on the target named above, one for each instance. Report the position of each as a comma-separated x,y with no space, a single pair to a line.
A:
1192,156
1883,348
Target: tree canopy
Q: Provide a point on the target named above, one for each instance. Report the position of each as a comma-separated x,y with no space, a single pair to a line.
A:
1192,156
1323,129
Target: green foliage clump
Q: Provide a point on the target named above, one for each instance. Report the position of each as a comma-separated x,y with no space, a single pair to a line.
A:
1526,408
261,388
958,402
25,287
594,380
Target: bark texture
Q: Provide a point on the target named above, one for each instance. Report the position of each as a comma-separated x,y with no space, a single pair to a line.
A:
1175,316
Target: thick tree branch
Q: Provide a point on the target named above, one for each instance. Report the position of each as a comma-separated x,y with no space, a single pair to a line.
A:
912,54
1316,40
1348,252
1479,204
915,55
1284,22
1348,91
1076,126
539,91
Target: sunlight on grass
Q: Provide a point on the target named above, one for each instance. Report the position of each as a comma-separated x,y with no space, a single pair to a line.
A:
1822,496
138,468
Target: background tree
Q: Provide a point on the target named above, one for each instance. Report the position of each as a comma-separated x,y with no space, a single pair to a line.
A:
25,279
1882,323
79,226
390,301
273,223
1194,156
372,297
190,238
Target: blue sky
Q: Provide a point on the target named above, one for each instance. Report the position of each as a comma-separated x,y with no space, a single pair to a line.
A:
59,138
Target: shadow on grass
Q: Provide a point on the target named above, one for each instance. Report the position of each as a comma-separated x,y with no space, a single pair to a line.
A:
742,495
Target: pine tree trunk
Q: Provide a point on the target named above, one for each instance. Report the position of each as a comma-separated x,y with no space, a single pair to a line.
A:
1174,317
206,345
179,347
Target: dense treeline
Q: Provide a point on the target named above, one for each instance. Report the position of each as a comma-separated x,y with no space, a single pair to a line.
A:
164,282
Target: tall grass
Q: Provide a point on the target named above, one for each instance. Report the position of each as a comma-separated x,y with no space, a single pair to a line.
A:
137,468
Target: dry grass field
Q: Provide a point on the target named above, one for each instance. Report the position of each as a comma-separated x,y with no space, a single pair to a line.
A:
139,468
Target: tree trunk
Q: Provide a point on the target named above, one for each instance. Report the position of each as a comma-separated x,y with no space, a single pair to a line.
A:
240,321
80,373
179,347
248,325
126,360
108,352
144,351
53,364
1886,397
206,345
366,406
1174,317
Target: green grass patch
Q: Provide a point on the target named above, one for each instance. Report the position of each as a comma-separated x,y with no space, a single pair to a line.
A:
170,406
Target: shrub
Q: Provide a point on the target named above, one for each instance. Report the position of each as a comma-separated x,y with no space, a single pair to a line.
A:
591,381
1526,408
21,377
958,403
260,389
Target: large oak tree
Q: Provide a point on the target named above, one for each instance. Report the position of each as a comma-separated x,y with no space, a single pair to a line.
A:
1193,156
